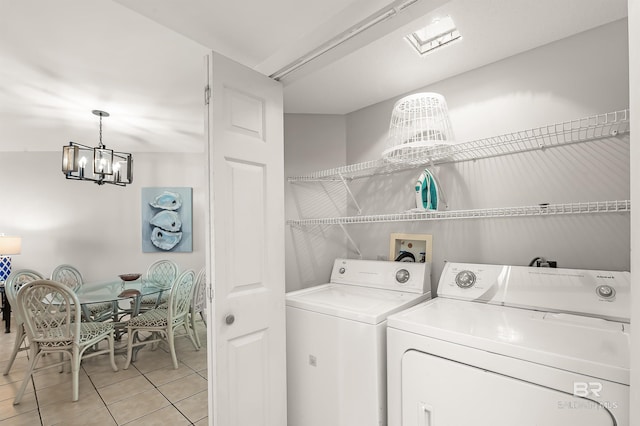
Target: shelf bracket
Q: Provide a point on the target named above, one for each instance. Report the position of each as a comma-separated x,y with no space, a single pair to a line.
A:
353,243
346,186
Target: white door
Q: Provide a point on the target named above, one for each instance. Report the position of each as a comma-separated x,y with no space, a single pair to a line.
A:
247,365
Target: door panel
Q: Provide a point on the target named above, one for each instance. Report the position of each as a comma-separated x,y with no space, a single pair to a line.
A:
245,113
247,242
440,392
246,247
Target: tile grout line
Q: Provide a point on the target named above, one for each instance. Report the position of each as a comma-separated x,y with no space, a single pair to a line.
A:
98,392
171,403
160,392
35,394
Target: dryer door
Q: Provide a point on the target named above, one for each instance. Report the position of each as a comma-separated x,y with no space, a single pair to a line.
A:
437,391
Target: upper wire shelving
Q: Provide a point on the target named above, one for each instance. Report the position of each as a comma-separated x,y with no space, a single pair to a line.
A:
619,206
581,130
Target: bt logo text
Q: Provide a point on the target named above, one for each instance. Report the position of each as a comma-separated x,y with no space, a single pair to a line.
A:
586,389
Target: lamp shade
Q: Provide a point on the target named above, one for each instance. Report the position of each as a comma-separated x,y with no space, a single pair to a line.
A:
70,159
10,245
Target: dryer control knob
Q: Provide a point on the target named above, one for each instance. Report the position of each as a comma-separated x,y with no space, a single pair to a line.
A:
465,279
342,270
605,291
402,276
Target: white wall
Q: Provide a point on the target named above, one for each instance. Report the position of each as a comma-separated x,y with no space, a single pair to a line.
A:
580,76
313,142
96,228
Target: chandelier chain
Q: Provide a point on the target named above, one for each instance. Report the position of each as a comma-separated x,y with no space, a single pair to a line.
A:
101,144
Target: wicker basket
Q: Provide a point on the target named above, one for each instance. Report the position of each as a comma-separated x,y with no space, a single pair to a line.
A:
419,124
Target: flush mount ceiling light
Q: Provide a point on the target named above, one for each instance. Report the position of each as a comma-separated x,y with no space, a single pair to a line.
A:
108,166
439,33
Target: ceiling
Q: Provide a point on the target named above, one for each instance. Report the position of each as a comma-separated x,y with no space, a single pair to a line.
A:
141,60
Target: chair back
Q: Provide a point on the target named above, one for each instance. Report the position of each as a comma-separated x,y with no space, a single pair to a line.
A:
163,272
181,295
15,281
67,275
199,300
51,313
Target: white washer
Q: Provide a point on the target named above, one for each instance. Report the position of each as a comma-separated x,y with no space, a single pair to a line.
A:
512,345
336,341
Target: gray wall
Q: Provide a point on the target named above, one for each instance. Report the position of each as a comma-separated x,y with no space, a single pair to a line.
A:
313,142
576,77
96,228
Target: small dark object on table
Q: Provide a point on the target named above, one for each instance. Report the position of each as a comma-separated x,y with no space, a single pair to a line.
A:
129,277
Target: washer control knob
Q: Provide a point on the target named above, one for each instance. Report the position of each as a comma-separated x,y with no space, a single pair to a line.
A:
605,291
342,270
402,276
465,279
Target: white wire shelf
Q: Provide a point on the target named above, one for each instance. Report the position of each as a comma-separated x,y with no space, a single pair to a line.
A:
581,130
593,207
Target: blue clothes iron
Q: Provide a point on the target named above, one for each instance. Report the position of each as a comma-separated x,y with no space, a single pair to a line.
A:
426,191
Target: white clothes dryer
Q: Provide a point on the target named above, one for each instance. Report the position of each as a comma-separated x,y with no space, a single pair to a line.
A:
511,345
336,341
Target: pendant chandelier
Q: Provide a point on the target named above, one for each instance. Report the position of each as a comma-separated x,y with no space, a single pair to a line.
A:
108,166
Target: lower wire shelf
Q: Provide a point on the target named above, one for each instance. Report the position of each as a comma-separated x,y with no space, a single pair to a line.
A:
591,207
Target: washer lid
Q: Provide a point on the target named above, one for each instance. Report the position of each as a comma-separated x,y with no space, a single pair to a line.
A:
368,305
586,345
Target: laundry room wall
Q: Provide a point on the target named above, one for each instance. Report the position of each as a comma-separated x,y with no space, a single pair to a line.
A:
576,77
313,142
580,76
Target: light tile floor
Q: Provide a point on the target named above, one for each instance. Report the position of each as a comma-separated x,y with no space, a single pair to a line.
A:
149,392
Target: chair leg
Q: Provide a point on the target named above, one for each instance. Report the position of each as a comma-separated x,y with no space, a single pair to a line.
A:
172,346
112,345
187,328
204,319
156,343
75,373
130,333
27,376
192,318
20,337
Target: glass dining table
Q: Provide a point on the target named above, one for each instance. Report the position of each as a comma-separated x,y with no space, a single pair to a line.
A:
115,291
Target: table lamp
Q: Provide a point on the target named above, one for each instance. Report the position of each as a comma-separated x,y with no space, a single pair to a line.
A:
8,245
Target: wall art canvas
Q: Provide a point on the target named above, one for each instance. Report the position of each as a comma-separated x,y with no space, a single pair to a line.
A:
167,215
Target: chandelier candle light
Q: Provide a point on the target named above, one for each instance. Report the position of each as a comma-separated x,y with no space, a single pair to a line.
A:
108,166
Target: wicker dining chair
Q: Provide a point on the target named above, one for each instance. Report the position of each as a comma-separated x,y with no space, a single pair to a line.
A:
72,278
163,272
198,304
67,275
162,323
52,320
15,281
